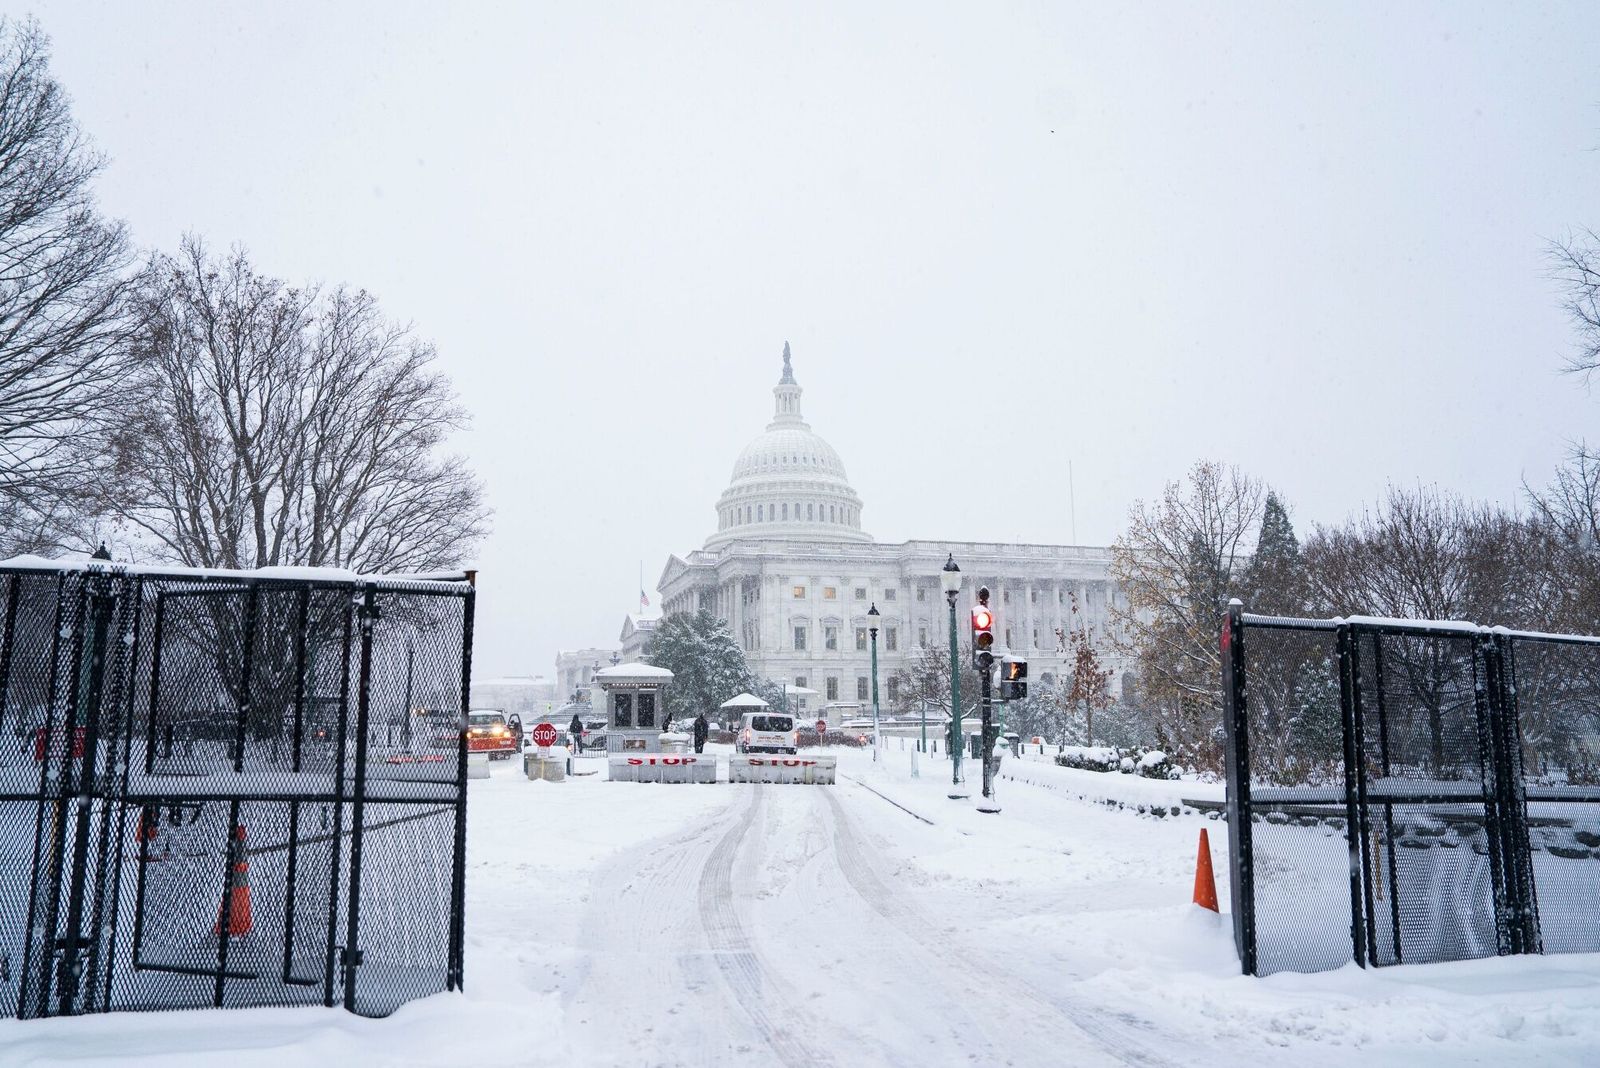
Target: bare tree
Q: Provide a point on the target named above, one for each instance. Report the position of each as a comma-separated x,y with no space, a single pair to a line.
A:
1175,563
922,686
1567,512
1090,689
1575,265
1429,554
62,285
287,426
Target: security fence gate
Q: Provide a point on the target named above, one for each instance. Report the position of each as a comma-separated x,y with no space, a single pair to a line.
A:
1403,791
229,788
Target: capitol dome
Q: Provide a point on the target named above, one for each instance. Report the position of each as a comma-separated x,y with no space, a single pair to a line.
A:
788,482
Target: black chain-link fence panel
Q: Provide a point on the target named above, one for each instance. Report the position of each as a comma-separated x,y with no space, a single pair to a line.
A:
1557,687
1427,798
1298,822
234,789
1464,817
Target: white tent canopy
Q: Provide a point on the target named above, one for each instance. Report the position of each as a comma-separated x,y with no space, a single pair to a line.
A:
745,700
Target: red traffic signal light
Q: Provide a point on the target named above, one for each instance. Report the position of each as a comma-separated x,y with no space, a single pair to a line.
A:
982,631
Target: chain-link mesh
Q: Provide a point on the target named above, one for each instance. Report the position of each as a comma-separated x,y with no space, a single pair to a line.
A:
1298,816
229,790
1467,821
1427,798
1557,688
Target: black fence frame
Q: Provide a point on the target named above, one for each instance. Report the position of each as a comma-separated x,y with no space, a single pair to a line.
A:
1366,800
97,778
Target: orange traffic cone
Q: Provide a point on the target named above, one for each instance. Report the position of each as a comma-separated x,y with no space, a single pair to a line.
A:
146,832
1205,883
236,906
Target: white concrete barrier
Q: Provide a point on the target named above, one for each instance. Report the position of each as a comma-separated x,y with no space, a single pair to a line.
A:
664,767
550,768
783,769
477,765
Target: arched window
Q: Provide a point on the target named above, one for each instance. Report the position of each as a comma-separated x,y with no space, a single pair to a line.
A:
786,519
760,516
832,515
809,516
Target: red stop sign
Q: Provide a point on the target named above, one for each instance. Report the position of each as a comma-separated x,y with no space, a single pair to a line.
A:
544,735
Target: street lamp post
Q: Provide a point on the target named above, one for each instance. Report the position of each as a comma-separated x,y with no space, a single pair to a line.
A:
950,582
872,629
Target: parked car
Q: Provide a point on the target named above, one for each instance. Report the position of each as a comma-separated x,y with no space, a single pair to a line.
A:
766,732
488,732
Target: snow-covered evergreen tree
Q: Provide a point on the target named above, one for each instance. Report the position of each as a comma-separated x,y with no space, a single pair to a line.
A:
1274,580
707,664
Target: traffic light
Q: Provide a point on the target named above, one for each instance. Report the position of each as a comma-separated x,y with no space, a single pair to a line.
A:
982,631
1013,680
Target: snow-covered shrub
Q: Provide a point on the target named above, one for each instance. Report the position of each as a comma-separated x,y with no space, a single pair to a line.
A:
1088,758
1157,765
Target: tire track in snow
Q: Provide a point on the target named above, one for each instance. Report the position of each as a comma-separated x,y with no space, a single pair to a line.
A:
732,950
1119,1034
638,930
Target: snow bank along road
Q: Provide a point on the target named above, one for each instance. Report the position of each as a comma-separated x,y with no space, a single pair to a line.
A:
645,924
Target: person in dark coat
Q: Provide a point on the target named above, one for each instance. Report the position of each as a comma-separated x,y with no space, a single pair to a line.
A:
575,728
701,730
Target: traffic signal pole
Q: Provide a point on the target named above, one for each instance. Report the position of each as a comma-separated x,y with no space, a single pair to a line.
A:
988,804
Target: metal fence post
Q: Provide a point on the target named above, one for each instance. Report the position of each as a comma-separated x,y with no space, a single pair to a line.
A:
1236,724
1506,736
97,599
340,748
1496,829
1533,936
458,880
1352,809
368,614
246,669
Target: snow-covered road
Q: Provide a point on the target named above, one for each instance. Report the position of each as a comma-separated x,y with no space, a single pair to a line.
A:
875,922
773,928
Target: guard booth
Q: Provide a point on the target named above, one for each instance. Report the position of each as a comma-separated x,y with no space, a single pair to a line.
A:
635,712
633,699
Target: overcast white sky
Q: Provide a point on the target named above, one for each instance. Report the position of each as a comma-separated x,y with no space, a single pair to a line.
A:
1307,239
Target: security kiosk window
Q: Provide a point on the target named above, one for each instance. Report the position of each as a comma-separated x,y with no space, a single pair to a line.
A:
622,710
647,710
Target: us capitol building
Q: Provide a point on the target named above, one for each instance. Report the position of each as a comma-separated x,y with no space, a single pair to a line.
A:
793,573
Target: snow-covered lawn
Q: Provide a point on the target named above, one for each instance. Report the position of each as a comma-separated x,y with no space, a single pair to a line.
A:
645,924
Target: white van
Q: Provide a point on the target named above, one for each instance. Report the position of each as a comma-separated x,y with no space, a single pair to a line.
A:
766,732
